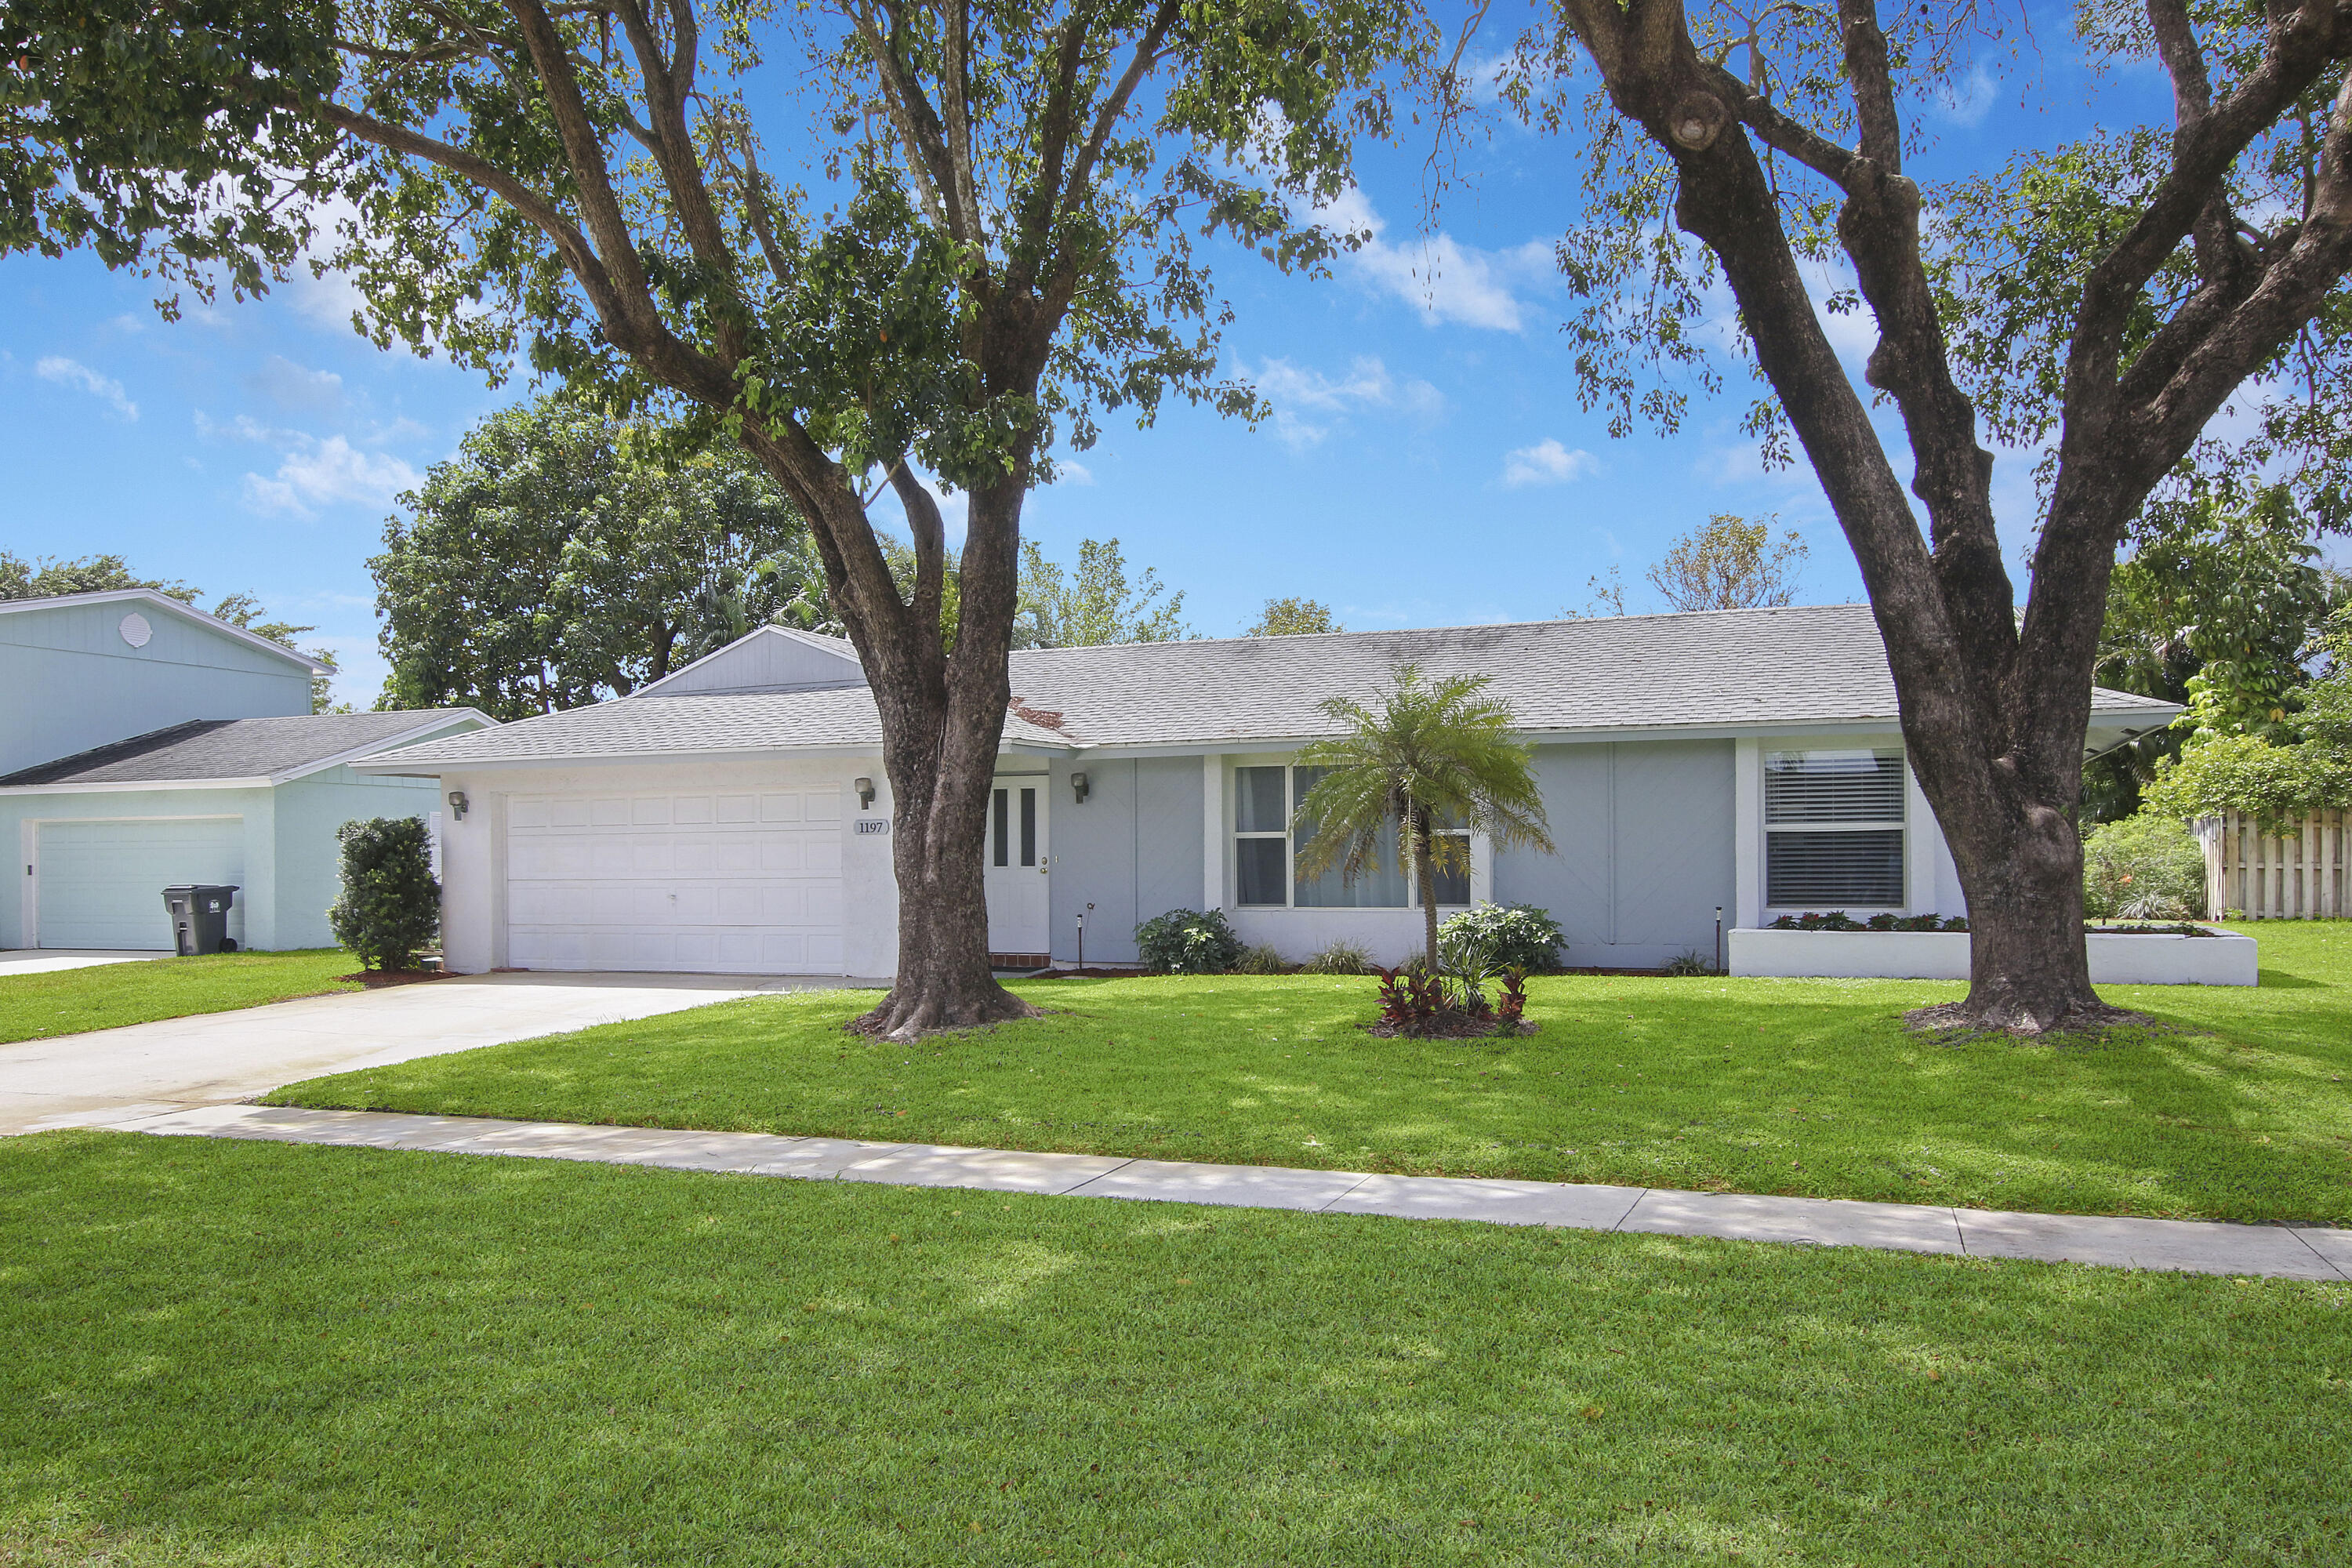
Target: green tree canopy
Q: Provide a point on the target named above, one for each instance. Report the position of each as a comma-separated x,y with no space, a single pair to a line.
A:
1729,563
1094,603
562,557
2214,606
1424,758
962,233
1291,617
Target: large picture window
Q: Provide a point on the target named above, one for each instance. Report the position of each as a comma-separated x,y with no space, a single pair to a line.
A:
1833,829
1266,855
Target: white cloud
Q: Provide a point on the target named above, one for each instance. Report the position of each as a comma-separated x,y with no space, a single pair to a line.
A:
1444,278
291,387
316,473
81,378
1966,101
1294,391
1546,463
1069,471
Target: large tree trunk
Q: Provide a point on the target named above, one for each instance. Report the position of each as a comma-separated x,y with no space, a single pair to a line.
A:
942,717
2020,868
1994,706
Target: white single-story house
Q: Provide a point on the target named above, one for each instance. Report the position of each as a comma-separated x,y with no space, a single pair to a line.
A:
147,743
735,816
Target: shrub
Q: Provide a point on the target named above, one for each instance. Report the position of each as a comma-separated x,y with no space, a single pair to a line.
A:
1186,942
1341,957
1838,919
2147,867
389,911
1513,936
1263,959
1688,963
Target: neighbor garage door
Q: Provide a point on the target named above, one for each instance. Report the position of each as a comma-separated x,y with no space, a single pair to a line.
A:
739,884
100,883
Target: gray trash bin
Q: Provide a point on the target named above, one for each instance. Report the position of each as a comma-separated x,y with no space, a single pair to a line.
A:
200,918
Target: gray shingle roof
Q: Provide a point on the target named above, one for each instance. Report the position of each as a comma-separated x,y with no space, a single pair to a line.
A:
230,748
837,717
1728,668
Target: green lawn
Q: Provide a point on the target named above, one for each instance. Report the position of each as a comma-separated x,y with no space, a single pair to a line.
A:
1764,1086
108,996
228,1352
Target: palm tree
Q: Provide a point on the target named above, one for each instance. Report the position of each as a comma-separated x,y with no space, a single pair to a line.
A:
1426,759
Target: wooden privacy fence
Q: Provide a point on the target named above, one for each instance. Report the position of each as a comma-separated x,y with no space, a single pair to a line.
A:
2291,875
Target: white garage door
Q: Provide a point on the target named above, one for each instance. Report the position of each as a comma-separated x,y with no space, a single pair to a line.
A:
100,883
733,884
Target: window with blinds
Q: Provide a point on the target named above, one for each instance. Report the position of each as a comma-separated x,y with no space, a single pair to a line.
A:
1833,829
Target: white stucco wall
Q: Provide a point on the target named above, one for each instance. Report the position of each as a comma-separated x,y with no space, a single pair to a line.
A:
474,851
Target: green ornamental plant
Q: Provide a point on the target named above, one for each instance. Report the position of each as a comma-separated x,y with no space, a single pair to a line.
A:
389,911
1187,941
2146,867
1425,762
1520,935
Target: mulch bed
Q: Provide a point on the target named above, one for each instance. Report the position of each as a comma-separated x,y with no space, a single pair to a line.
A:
377,979
1451,1026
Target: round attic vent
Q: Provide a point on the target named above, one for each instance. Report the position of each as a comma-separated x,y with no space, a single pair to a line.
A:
135,629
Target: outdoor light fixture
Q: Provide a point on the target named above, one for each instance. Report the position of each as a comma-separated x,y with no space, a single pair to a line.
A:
865,788
457,803
1078,787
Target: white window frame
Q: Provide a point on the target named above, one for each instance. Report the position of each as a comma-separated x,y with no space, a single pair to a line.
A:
1765,827
1473,874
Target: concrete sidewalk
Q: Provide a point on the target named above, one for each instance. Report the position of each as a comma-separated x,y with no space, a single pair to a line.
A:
109,1075
2192,1247
51,960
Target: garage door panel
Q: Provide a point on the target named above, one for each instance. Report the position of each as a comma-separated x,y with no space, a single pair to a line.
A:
100,882
741,883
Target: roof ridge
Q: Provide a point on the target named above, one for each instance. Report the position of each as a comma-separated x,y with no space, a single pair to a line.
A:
1459,627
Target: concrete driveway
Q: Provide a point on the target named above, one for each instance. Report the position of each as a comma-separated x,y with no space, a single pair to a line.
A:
50,960
117,1075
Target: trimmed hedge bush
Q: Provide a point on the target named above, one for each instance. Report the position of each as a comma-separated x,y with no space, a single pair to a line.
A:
389,911
1186,942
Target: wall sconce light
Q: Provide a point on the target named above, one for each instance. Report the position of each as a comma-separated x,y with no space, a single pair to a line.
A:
457,803
865,788
1078,787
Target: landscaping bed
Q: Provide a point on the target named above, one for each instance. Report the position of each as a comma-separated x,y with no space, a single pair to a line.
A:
109,995
2238,1110
2142,956
226,1351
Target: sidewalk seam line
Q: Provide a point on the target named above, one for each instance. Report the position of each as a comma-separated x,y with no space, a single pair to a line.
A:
1098,1176
2297,1232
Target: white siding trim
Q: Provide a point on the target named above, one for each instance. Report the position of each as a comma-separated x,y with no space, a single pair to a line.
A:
1213,848
1748,831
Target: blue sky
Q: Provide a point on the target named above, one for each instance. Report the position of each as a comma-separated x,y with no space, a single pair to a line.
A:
1427,463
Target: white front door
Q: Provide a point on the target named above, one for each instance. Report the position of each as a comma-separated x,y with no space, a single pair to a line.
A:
1018,910
744,882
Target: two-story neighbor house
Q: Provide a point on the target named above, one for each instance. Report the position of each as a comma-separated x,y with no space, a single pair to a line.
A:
735,816
145,744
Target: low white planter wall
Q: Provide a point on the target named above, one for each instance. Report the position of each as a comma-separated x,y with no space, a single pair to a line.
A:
2226,959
